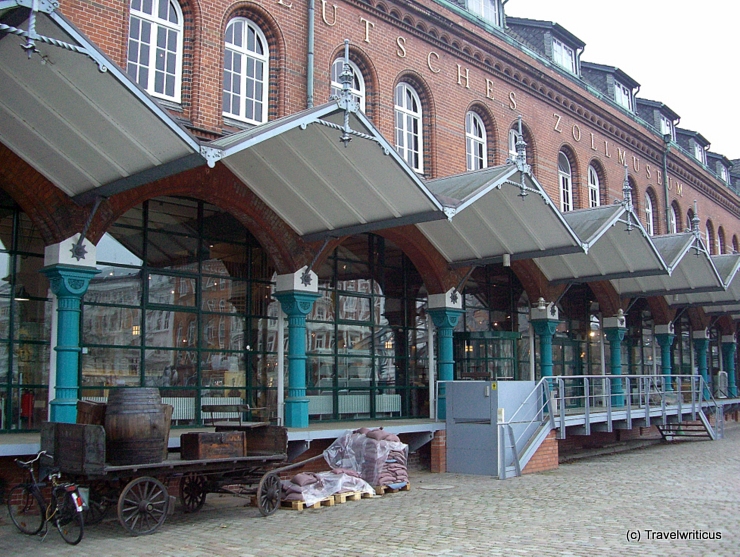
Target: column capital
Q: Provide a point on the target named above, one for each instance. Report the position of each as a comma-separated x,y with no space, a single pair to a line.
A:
618,321
545,327
729,339
544,310
445,317
700,335
302,280
69,280
296,304
614,334
664,329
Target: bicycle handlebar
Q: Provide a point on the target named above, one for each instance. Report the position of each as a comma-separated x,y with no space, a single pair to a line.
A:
30,462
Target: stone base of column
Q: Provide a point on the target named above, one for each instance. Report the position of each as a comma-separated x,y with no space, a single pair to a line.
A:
64,410
296,412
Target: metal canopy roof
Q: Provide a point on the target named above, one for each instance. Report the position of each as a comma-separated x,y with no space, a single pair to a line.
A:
82,128
497,211
321,186
727,266
691,269
617,246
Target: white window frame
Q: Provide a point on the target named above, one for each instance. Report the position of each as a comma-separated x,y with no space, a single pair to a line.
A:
409,126
563,55
252,108
723,172
699,153
512,143
565,179
720,241
623,95
487,10
674,220
710,239
666,127
594,187
476,142
145,30
649,225
358,81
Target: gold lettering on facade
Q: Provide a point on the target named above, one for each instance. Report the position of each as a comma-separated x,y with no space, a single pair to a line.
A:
429,62
401,50
679,188
606,149
460,76
557,122
323,14
593,145
635,163
489,89
368,25
647,170
670,184
659,177
576,132
285,4
512,100
622,156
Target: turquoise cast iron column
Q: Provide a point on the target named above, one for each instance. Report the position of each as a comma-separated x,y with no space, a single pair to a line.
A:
545,329
664,335
545,318
296,305
728,356
69,284
445,320
701,345
445,311
614,329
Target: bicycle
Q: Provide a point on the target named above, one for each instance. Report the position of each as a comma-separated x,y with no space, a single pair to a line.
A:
31,513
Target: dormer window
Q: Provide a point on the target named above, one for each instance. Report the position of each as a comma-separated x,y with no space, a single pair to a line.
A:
563,56
723,173
666,127
623,96
699,153
487,10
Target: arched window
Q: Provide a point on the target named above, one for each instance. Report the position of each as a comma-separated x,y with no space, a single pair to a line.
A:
720,241
594,188
155,47
358,82
711,243
690,219
246,58
476,147
735,245
675,218
409,143
512,143
649,215
566,183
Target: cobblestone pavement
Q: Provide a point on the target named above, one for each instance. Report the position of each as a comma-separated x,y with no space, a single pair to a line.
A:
593,507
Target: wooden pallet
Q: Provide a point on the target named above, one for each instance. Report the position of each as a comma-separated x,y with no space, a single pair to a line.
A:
300,505
383,489
340,498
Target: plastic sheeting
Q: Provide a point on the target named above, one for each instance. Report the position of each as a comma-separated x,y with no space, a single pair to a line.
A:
326,485
362,454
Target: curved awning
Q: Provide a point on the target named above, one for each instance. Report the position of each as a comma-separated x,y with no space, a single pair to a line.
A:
495,212
691,269
727,266
87,131
616,243
322,186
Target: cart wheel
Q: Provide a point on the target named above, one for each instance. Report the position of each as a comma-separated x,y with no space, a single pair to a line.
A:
268,493
193,492
142,506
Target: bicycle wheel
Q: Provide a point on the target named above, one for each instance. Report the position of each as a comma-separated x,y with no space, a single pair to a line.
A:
26,509
68,519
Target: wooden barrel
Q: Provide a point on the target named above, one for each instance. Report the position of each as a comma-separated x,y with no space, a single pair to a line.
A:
135,425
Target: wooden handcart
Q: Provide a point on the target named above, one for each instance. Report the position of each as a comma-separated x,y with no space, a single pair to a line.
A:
139,491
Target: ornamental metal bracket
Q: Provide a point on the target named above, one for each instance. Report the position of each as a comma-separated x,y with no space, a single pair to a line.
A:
461,285
211,155
627,200
79,251
520,160
695,221
31,36
306,275
347,102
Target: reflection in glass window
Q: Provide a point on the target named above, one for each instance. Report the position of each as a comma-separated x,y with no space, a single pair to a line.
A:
409,126
246,59
475,142
566,183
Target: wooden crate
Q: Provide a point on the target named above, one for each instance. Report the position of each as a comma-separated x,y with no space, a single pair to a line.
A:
205,444
77,448
89,412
